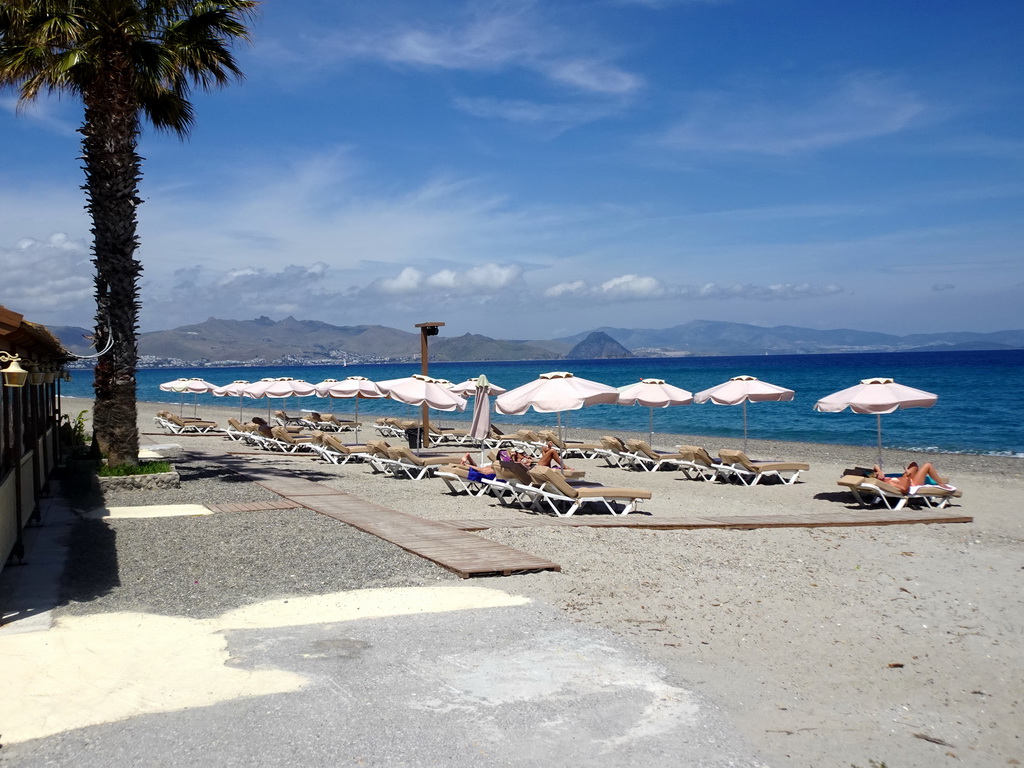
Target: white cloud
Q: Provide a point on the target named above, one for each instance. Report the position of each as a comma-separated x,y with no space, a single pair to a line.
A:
645,288
575,288
408,280
47,112
48,280
631,287
562,116
859,107
491,38
596,76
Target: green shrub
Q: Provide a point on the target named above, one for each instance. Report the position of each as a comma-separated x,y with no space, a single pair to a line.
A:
123,470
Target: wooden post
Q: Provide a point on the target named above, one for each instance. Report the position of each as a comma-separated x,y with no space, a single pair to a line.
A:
426,329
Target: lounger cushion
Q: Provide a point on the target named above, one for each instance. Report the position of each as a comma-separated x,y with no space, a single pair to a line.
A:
739,457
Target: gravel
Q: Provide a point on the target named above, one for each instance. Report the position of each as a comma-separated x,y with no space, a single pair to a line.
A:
201,566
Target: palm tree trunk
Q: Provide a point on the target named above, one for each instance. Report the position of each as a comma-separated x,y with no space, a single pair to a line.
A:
112,171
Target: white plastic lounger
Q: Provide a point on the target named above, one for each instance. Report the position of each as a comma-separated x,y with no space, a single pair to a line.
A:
752,472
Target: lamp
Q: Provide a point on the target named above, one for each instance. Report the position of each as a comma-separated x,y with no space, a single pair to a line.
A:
36,375
14,374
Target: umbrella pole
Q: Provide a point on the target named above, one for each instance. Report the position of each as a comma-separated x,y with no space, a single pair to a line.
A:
744,426
356,398
240,408
879,417
650,426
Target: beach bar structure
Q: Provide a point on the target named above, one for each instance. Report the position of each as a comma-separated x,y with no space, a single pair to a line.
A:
31,362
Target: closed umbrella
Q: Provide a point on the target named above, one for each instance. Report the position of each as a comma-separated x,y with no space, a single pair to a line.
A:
355,387
740,389
480,428
876,396
234,389
654,393
553,393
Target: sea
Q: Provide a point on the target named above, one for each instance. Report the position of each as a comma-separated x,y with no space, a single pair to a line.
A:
980,408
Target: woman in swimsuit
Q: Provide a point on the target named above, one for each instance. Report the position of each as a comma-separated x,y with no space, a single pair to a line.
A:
915,476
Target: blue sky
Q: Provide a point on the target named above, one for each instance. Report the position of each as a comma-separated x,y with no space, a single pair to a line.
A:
536,169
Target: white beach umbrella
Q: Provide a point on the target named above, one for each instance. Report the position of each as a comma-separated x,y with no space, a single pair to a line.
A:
553,393
234,389
468,388
423,390
740,389
195,385
355,387
653,393
877,396
284,386
320,385
419,390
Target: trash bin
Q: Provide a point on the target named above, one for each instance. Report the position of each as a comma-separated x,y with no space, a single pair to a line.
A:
415,437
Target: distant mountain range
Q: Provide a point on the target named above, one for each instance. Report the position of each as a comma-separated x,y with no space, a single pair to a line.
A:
310,342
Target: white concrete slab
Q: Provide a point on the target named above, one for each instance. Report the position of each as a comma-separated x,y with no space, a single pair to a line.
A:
156,510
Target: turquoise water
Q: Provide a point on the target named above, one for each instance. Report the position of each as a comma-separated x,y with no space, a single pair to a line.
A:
980,407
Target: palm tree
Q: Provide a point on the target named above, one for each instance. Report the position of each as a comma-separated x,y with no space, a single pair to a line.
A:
127,60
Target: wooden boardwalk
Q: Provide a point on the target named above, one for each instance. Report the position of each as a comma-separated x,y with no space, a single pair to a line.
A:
845,518
253,506
460,552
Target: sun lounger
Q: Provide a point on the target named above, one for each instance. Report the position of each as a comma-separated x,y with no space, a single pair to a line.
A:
641,456
330,448
377,455
571,448
750,472
458,479
870,490
179,426
292,443
613,451
697,464
236,430
339,425
565,499
440,434
284,420
415,466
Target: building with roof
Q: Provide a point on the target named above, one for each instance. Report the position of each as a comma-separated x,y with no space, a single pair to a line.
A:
32,364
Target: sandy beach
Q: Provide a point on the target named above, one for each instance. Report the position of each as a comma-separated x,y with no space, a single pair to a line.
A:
899,644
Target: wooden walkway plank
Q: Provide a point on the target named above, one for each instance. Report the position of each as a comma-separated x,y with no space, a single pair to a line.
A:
254,506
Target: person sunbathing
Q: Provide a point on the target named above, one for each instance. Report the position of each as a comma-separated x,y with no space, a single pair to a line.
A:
914,477
467,461
262,428
549,457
